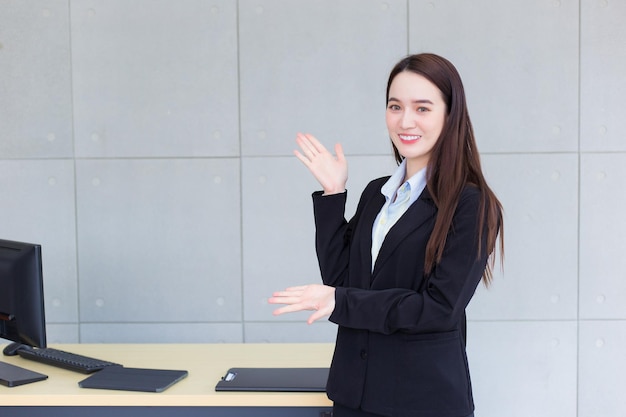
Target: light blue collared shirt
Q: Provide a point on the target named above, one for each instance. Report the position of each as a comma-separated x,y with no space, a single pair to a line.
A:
398,197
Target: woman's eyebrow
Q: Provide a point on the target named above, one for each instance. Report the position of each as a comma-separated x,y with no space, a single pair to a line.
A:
422,101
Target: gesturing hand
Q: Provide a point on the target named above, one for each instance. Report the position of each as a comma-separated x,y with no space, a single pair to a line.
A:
320,298
330,171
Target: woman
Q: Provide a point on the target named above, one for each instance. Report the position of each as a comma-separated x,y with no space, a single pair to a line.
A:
399,275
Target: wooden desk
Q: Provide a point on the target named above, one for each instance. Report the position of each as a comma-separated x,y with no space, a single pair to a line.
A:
206,364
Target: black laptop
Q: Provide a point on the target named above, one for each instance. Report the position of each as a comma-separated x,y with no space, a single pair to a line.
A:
274,379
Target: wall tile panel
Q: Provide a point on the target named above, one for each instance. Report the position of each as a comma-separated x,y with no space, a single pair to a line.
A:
522,369
602,236
159,240
161,333
602,82
35,85
155,78
62,333
601,368
539,193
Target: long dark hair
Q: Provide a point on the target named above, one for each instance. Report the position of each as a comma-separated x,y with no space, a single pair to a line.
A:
454,163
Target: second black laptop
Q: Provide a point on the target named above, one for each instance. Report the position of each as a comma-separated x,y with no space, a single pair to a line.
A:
274,379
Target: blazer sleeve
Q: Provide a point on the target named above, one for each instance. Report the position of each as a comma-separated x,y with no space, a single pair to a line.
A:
439,305
333,234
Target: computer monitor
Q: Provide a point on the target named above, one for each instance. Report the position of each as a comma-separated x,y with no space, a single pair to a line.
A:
22,316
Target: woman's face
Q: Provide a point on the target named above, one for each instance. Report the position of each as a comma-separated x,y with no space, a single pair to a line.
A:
416,113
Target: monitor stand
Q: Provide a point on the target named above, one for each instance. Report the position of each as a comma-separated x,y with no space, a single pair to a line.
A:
12,376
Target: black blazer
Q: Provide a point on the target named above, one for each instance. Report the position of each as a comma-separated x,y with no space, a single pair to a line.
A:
399,349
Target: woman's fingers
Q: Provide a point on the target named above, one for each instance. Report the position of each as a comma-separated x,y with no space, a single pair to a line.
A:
310,147
292,298
290,292
339,152
305,149
306,161
320,298
316,316
331,171
291,308
315,145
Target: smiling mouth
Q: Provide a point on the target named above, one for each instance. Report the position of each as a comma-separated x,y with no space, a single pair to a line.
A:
409,138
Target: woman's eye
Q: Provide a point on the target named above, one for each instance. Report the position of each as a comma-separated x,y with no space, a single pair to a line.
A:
394,107
422,109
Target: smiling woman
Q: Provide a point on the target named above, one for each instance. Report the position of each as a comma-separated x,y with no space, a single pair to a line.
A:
416,114
398,276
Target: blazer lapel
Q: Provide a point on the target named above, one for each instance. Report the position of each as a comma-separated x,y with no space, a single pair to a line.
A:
419,212
370,212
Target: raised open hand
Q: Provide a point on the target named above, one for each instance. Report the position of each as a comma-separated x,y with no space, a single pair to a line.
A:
330,171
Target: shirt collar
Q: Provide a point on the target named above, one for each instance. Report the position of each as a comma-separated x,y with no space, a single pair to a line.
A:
417,182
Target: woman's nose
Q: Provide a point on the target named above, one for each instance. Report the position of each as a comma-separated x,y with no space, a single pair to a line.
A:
407,121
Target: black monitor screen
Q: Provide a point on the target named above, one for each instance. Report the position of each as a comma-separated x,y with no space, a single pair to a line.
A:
22,317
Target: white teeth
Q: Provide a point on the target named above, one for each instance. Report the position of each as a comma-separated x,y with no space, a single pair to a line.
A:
409,137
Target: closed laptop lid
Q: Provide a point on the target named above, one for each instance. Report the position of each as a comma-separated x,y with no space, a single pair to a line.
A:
274,379
12,375
133,379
